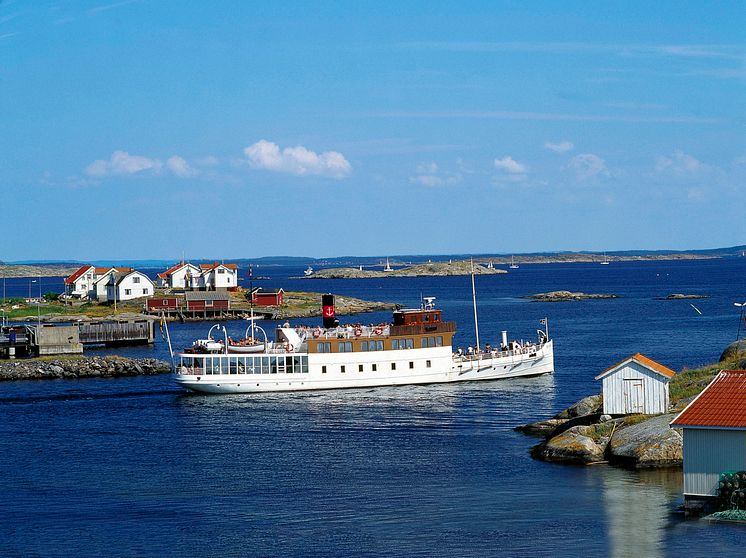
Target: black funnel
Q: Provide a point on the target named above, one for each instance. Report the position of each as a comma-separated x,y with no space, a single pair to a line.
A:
327,310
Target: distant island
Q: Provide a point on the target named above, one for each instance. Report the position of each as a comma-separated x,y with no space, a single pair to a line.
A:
430,269
563,296
37,270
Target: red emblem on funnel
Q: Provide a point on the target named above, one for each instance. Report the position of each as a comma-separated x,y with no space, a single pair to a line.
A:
328,311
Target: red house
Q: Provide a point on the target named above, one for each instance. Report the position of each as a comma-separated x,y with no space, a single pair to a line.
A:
267,298
207,301
162,304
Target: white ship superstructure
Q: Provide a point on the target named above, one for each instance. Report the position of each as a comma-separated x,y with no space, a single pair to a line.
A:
416,348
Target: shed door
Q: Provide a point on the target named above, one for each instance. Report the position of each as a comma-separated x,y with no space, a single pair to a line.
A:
634,396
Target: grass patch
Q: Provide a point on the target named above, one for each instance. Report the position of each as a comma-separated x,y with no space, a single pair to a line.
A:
690,382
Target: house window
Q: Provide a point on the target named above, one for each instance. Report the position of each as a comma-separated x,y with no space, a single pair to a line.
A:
221,271
145,291
127,291
359,367
135,279
342,369
208,303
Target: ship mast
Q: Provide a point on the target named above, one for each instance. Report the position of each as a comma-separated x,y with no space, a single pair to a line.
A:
474,299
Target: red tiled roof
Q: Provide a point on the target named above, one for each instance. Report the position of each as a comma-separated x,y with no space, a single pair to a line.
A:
645,361
207,267
70,280
100,270
721,404
171,270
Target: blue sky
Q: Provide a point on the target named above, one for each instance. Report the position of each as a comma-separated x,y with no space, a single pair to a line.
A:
151,129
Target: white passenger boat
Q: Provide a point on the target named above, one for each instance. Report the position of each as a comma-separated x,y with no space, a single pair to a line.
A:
416,348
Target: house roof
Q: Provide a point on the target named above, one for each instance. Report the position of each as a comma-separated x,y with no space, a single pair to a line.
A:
260,292
206,295
641,359
120,276
722,404
171,270
75,276
208,267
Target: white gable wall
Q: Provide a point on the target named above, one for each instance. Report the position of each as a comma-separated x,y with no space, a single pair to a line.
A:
134,285
634,388
182,278
709,452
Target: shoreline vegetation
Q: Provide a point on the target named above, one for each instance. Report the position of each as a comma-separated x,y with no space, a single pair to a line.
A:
582,435
296,305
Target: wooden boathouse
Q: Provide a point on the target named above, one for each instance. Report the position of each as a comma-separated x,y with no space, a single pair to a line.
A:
714,432
637,384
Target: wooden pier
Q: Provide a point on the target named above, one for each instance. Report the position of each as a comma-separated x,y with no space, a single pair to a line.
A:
125,332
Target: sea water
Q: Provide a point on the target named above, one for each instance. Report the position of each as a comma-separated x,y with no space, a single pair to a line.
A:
138,466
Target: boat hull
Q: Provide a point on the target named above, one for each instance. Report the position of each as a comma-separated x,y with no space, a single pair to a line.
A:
446,370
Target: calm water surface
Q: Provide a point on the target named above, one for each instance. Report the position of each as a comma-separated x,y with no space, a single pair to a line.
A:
136,466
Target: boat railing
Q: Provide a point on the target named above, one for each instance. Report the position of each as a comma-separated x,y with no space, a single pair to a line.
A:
527,350
345,332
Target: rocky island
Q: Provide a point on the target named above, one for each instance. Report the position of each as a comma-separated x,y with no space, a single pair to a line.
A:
678,296
430,269
581,434
564,296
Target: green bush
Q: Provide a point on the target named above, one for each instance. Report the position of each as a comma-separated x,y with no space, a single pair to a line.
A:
51,297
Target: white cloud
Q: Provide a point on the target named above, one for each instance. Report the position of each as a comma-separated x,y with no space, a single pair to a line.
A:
678,163
587,165
297,160
179,166
510,165
429,174
122,163
560,147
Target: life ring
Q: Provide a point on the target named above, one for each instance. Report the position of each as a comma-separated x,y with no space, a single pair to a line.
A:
317,333
378,330
358,331
289,347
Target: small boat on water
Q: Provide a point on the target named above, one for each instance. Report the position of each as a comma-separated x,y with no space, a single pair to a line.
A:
605,260
388,267
513,265
308,271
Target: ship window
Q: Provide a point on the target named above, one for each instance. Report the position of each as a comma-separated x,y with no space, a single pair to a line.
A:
435,318
410,343
342,369
428,363
359,367
411,364
395,344
374,367
426,318
323,369
364,346
379,345
439,341
431,341
424,342
345,347
393,366
323,347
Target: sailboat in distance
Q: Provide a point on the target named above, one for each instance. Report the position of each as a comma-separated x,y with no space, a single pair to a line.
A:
513,265
606,260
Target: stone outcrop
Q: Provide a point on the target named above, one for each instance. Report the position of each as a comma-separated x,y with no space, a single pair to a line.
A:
650,443
679,296
586,406
82,367
734,351
575,445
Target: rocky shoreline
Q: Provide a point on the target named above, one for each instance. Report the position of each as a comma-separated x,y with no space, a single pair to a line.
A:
582,435
80,367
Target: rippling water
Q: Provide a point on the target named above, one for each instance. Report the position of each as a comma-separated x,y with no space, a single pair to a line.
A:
136,466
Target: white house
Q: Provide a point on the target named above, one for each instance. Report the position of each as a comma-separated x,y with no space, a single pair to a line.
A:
714,432
638,384
180,276
128,285
217,276
80,283
103,274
